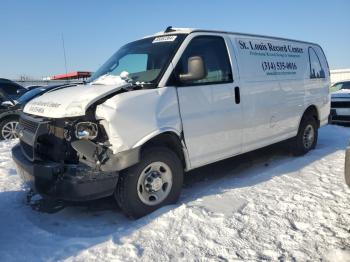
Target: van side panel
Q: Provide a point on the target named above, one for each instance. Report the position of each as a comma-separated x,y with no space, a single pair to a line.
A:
293,92
276,88
256,94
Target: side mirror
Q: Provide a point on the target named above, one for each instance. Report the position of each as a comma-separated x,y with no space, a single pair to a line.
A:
196,70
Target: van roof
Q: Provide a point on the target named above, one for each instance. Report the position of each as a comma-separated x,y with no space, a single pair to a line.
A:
174,30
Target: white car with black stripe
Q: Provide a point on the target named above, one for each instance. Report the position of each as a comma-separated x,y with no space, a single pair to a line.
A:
340,103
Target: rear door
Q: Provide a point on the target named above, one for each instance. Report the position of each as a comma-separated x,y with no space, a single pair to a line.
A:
210,109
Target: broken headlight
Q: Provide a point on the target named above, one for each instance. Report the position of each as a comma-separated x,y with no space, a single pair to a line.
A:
86,130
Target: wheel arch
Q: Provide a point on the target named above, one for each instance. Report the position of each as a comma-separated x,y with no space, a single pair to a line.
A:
312,110
8,115
170,139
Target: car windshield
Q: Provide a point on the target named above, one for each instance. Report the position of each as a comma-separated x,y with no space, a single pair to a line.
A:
30,94
141,61
345,85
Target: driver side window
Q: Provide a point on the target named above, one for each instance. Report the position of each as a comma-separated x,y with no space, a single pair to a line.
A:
213,51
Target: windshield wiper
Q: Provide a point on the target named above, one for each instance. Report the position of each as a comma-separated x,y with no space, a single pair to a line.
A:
141,85
123,77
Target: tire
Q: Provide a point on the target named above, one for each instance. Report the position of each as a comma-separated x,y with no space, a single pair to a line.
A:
307,136
7,128
137,196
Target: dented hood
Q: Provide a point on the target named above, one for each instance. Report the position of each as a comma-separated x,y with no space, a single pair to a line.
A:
71,101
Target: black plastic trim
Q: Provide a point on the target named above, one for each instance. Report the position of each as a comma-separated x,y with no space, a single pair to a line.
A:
99,157
237,95
64,182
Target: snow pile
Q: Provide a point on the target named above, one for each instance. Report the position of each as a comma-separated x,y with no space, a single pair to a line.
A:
265,205
109,80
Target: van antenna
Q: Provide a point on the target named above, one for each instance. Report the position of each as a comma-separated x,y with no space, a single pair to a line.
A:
64,55
169,29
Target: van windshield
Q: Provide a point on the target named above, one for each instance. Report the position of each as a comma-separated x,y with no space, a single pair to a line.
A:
142,61
340,86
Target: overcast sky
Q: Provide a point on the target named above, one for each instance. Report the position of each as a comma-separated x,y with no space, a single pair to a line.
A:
31,31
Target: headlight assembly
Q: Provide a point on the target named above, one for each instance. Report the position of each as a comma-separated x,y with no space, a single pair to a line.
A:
86,130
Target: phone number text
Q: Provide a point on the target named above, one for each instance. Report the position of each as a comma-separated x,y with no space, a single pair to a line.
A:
279,66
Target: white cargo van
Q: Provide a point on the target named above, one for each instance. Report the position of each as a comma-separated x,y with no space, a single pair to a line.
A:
170,103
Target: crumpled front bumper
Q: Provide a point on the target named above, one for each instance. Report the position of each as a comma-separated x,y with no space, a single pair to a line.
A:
64,182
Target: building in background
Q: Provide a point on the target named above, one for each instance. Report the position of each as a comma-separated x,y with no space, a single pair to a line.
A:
340,75
79,75
72,77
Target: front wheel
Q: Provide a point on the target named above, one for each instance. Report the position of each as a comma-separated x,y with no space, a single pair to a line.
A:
154,182
306,138
8,128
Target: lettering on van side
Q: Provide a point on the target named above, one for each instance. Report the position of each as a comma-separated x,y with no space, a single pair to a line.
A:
36,109
269,65
265,57
45,104
39,107
269,47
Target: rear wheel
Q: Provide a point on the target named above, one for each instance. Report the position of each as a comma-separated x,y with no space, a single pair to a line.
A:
306,138
154,182
8,128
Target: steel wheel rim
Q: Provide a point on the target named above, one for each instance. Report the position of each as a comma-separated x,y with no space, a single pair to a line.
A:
154,183
308,136
9,130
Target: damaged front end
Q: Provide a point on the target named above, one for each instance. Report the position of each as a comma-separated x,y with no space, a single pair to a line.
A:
68,159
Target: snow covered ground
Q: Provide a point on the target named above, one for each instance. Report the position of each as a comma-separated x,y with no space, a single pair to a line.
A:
265,205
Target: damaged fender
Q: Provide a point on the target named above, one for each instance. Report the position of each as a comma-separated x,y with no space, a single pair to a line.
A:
132,118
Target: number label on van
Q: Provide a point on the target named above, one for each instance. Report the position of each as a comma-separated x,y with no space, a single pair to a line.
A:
169,38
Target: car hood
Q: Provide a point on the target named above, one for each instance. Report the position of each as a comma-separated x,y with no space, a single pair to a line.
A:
71,101
342,93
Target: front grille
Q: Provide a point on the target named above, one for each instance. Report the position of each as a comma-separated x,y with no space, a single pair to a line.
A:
28,125
44,140
340,104
341,118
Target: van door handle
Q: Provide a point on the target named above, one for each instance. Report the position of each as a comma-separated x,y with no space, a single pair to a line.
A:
237,95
